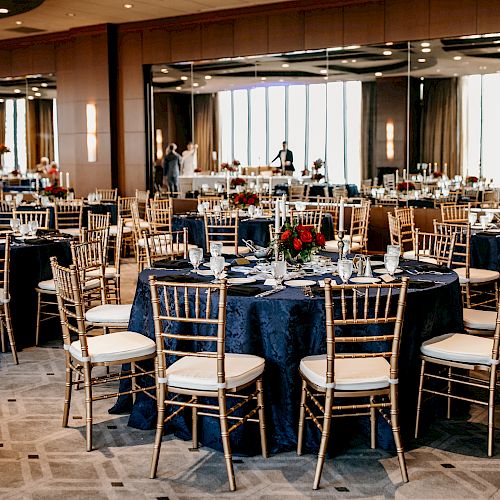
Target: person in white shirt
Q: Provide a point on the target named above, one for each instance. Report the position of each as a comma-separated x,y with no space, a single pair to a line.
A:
189,159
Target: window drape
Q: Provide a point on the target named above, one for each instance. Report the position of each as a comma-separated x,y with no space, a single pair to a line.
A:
40,131
369,127
206,128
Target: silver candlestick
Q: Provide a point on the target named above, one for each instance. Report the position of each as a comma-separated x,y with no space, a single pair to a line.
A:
341,234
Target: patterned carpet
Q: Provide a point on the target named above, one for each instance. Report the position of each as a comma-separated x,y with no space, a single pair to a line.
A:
41,460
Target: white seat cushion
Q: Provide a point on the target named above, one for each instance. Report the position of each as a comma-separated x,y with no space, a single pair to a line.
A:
73,231
333,246
113,230
229,250
142,224
201,373
3,298
109,272
109,313
476,275
114,347
410,255
351,374
50,285
459,347
479,319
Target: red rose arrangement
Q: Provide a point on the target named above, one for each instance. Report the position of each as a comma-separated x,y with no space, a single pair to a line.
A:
238,181
244,200
300,242
406,186
225,167
437,174
54,192
471,180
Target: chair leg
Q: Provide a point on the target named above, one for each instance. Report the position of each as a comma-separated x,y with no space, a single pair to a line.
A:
67,394
419,400
2,336
134,379
159,430
396,431
373,425
194,424
448,406
491,411
87,370
225,439
262,421
325,435
38,314
302,417
10,333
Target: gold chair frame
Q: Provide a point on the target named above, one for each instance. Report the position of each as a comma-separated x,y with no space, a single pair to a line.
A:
5,315
26,216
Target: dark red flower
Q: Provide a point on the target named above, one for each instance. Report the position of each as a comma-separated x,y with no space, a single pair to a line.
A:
251,200
286,234
300,228
306,236
297,244
320,240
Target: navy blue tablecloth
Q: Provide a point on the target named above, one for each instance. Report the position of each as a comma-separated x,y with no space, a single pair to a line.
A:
485,251
283,328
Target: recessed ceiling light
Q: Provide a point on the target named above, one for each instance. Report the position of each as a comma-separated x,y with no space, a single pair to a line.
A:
285,65
389,44
387,52
184,78
128,5
455,74
324,71
45,84
344,61
263,78
208,77
178,88
30,97
378,73
70,14
457,58
426,50
325,78
38,94
19,22
1,100
421,60
352,47
34,89
353,60
164,70
422,78
438,71
195,84
482,67
425,44
4,11
17,91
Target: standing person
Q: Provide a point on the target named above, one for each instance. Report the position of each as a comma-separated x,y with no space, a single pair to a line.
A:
171,167
286,159
189,159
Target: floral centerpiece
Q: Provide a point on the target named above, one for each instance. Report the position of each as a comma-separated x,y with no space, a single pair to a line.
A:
317,166
53,192
470,180
4,149
406,186
238,181
299,243
244,199
437,174
230,167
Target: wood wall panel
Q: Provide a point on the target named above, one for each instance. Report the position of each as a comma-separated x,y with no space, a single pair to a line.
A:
286,32
217,40
324,28
186,43
488,16
156,46
364,24
251,35
408,21
452,17
6,66
22,61
43,58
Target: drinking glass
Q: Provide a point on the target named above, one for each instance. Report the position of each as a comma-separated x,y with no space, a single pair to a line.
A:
490,217
391,263
217,267
14,224
8,198
33,227
393,250
24,229
195,258
483,220
215,249
472,218
251,211
278,271
344,267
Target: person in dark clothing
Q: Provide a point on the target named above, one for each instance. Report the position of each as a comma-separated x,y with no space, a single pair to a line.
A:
171,168
286,160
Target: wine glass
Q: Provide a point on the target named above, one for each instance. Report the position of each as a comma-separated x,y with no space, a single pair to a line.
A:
393,250
24,229
344,267
215,249
391,263
472,218
251,211
33,227
195,258
278,271
14,224
217,267
483,220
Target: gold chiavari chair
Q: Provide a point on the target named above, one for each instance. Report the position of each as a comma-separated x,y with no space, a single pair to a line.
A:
338,192
160,215
459,359
394,232
406,222
5,215
125,213
211,201
84,354
109,195
68,216
142,199
140,247
26,216
212,374
455,213
5,316
367,374
434,248
296,193
310,217
480,284
386,202
98,221
222,227
161,246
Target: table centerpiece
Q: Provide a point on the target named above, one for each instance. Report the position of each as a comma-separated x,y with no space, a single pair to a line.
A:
299,243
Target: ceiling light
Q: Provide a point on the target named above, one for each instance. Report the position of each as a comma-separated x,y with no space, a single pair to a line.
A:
457,58
208,77
184,78
387,52
325,78
324,71
344,61
438,71
285,65
352,47
353,60
4,11
421,60
164,70
34,89
195,84
19,22
1,100
128,5
178,88
378,73
482,67
455,74
426,50
45,84
263,78
70,14
17,91
38,94
425,44
389,44
30,97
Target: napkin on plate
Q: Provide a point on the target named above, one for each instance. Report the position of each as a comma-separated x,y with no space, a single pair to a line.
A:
243,290
180,278
172,264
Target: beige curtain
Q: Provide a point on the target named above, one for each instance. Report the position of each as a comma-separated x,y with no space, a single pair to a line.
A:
40,131
205,129
441,124
369,127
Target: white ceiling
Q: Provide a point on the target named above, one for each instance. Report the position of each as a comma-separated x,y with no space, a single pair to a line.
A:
52,15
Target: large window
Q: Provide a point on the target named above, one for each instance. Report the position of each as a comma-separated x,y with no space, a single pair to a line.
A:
317,120
15,135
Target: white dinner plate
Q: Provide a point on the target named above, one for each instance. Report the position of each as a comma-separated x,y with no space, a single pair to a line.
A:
364,279
299,283
205,272
240,281
384,271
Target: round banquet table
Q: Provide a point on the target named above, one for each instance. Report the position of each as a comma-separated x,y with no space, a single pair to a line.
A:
256,229
283,328
485,250
30,264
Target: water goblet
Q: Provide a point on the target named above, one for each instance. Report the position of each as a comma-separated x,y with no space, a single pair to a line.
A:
217,267
344,267
391,263
278,271
251,211
24,229
483,220
14,224
195,258
472,218
215,249
490,216
393,250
